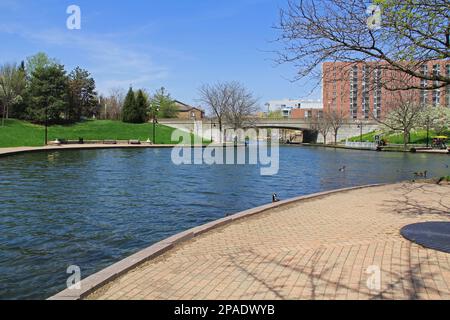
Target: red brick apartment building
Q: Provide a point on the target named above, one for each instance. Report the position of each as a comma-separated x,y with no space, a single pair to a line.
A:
357,89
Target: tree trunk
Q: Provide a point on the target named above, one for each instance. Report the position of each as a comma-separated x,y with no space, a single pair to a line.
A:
220,129
335,137
3,115
405,140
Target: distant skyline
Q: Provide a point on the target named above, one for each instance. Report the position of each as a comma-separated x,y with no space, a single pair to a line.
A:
149,44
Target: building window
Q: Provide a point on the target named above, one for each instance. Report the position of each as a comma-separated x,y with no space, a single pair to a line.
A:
377,96
424,85
354,93
365,92
436,92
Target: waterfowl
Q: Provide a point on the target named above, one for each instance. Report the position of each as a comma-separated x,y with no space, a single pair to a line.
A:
275,198
421,174
343,169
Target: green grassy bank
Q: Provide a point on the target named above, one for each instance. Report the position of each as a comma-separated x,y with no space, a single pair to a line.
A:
417,137
17,133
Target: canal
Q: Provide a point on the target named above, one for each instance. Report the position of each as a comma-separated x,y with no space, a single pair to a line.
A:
95,207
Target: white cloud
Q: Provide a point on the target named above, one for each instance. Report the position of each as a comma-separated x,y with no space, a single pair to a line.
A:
113,64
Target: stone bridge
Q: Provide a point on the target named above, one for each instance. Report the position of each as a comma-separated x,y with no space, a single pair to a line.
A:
349,129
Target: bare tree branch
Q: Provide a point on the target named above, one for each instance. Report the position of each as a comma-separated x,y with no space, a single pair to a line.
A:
412,33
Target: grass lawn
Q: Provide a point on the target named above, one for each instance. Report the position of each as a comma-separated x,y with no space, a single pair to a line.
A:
24,134
417,137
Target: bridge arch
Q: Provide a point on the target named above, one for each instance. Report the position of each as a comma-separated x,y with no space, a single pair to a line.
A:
308,135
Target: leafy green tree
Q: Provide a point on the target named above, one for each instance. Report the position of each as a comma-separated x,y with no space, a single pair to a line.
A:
275,114
39,60
142,106
83,100
166,105
12,87
48,94
403,117
19,106
130,113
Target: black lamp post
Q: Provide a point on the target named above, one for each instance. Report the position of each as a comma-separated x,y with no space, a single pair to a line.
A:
46,125
360,126
428,131
155,122
213,125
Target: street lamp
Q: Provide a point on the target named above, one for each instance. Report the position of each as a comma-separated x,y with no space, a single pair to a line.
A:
213,125
360,124
46,125
155,121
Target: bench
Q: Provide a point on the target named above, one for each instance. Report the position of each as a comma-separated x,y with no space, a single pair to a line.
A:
109,142
134,142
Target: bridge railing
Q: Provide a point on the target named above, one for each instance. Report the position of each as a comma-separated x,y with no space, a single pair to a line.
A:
361,145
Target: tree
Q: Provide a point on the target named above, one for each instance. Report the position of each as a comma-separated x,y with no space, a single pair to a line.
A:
241,106
162,100
275,114
130,113
336,120
48,94
436,119
404,115
39,60
12,87
111,106
229,102
83,100
142,106
406,35
216,97
323,126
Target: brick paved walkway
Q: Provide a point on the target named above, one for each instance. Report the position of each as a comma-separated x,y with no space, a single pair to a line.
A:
317,249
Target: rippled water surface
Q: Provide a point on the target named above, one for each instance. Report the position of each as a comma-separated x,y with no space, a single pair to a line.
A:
94,208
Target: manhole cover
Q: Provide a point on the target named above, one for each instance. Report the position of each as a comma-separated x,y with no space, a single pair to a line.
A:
432,235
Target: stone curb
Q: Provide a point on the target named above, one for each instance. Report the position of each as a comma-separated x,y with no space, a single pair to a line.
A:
98,280
5,152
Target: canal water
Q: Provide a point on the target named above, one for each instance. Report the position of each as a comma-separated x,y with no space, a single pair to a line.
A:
95,207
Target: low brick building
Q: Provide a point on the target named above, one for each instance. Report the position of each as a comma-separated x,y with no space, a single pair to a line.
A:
187,112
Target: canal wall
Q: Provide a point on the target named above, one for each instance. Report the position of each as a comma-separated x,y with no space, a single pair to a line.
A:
346,132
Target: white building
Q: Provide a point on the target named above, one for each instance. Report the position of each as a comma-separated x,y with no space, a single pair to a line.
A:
287,105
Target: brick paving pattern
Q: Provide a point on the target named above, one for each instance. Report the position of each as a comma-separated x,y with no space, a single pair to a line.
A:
314,249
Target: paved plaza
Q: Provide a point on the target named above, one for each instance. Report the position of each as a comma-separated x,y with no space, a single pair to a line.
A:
326,248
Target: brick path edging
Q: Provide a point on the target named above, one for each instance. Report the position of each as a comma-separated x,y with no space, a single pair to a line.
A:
98,280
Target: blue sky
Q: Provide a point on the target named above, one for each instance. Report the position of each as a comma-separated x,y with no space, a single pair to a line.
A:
178,44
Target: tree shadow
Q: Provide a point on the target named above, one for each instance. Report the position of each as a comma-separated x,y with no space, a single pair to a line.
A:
411,282
409,206
411,278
